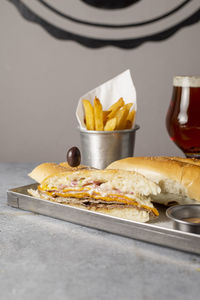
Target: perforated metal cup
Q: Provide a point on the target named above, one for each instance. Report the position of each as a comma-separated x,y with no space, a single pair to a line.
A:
100,148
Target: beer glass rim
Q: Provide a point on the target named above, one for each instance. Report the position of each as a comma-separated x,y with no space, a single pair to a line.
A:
186,81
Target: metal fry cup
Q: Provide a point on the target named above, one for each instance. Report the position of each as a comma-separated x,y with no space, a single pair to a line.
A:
100,148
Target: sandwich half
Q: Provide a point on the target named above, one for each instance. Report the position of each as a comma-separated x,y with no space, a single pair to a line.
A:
178,178
121,194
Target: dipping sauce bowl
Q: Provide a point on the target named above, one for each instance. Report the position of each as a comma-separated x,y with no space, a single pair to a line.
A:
185,217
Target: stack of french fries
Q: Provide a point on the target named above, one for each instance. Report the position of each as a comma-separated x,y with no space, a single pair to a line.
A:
119,116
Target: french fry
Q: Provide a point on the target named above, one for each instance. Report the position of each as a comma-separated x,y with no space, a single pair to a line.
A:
105,116
120,117
89,114
117,104
122,124
98,114
110,124
130,119
131,115
129,105
128,124
113,109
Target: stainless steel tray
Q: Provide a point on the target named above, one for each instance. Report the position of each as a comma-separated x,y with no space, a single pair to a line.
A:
158,232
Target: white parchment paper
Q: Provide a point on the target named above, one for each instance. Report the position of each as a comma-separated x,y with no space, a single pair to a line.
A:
108,93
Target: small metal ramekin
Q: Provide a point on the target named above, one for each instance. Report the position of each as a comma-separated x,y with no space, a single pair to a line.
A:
100,148
179,212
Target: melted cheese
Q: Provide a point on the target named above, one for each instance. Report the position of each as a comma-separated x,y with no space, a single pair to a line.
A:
87,192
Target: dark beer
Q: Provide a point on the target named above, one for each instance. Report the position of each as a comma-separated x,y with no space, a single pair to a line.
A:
183,117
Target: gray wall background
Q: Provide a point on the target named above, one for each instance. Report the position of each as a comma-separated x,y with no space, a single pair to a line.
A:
41,80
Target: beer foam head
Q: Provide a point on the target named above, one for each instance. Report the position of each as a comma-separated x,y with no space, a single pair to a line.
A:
187,81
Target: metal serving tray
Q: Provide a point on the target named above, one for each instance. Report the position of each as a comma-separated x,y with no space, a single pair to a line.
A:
158,232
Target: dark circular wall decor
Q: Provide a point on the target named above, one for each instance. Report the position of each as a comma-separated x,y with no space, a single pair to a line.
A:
110,4
122,23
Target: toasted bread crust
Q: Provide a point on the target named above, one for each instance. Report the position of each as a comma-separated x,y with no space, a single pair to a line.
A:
49,169
69,168
185,172
44,170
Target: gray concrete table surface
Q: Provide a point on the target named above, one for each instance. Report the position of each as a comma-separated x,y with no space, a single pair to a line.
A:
45,258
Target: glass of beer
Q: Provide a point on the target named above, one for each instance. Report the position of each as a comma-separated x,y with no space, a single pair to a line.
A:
183,117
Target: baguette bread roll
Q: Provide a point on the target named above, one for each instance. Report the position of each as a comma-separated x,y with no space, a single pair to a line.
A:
69,168
121,194
44,170
178,178
48,169
192,161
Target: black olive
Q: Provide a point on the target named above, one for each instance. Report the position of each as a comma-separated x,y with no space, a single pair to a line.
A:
74,157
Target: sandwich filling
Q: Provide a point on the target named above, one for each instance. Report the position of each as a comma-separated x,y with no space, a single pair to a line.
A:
98,192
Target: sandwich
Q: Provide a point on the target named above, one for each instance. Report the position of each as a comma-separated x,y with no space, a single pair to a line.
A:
178,178
118,193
